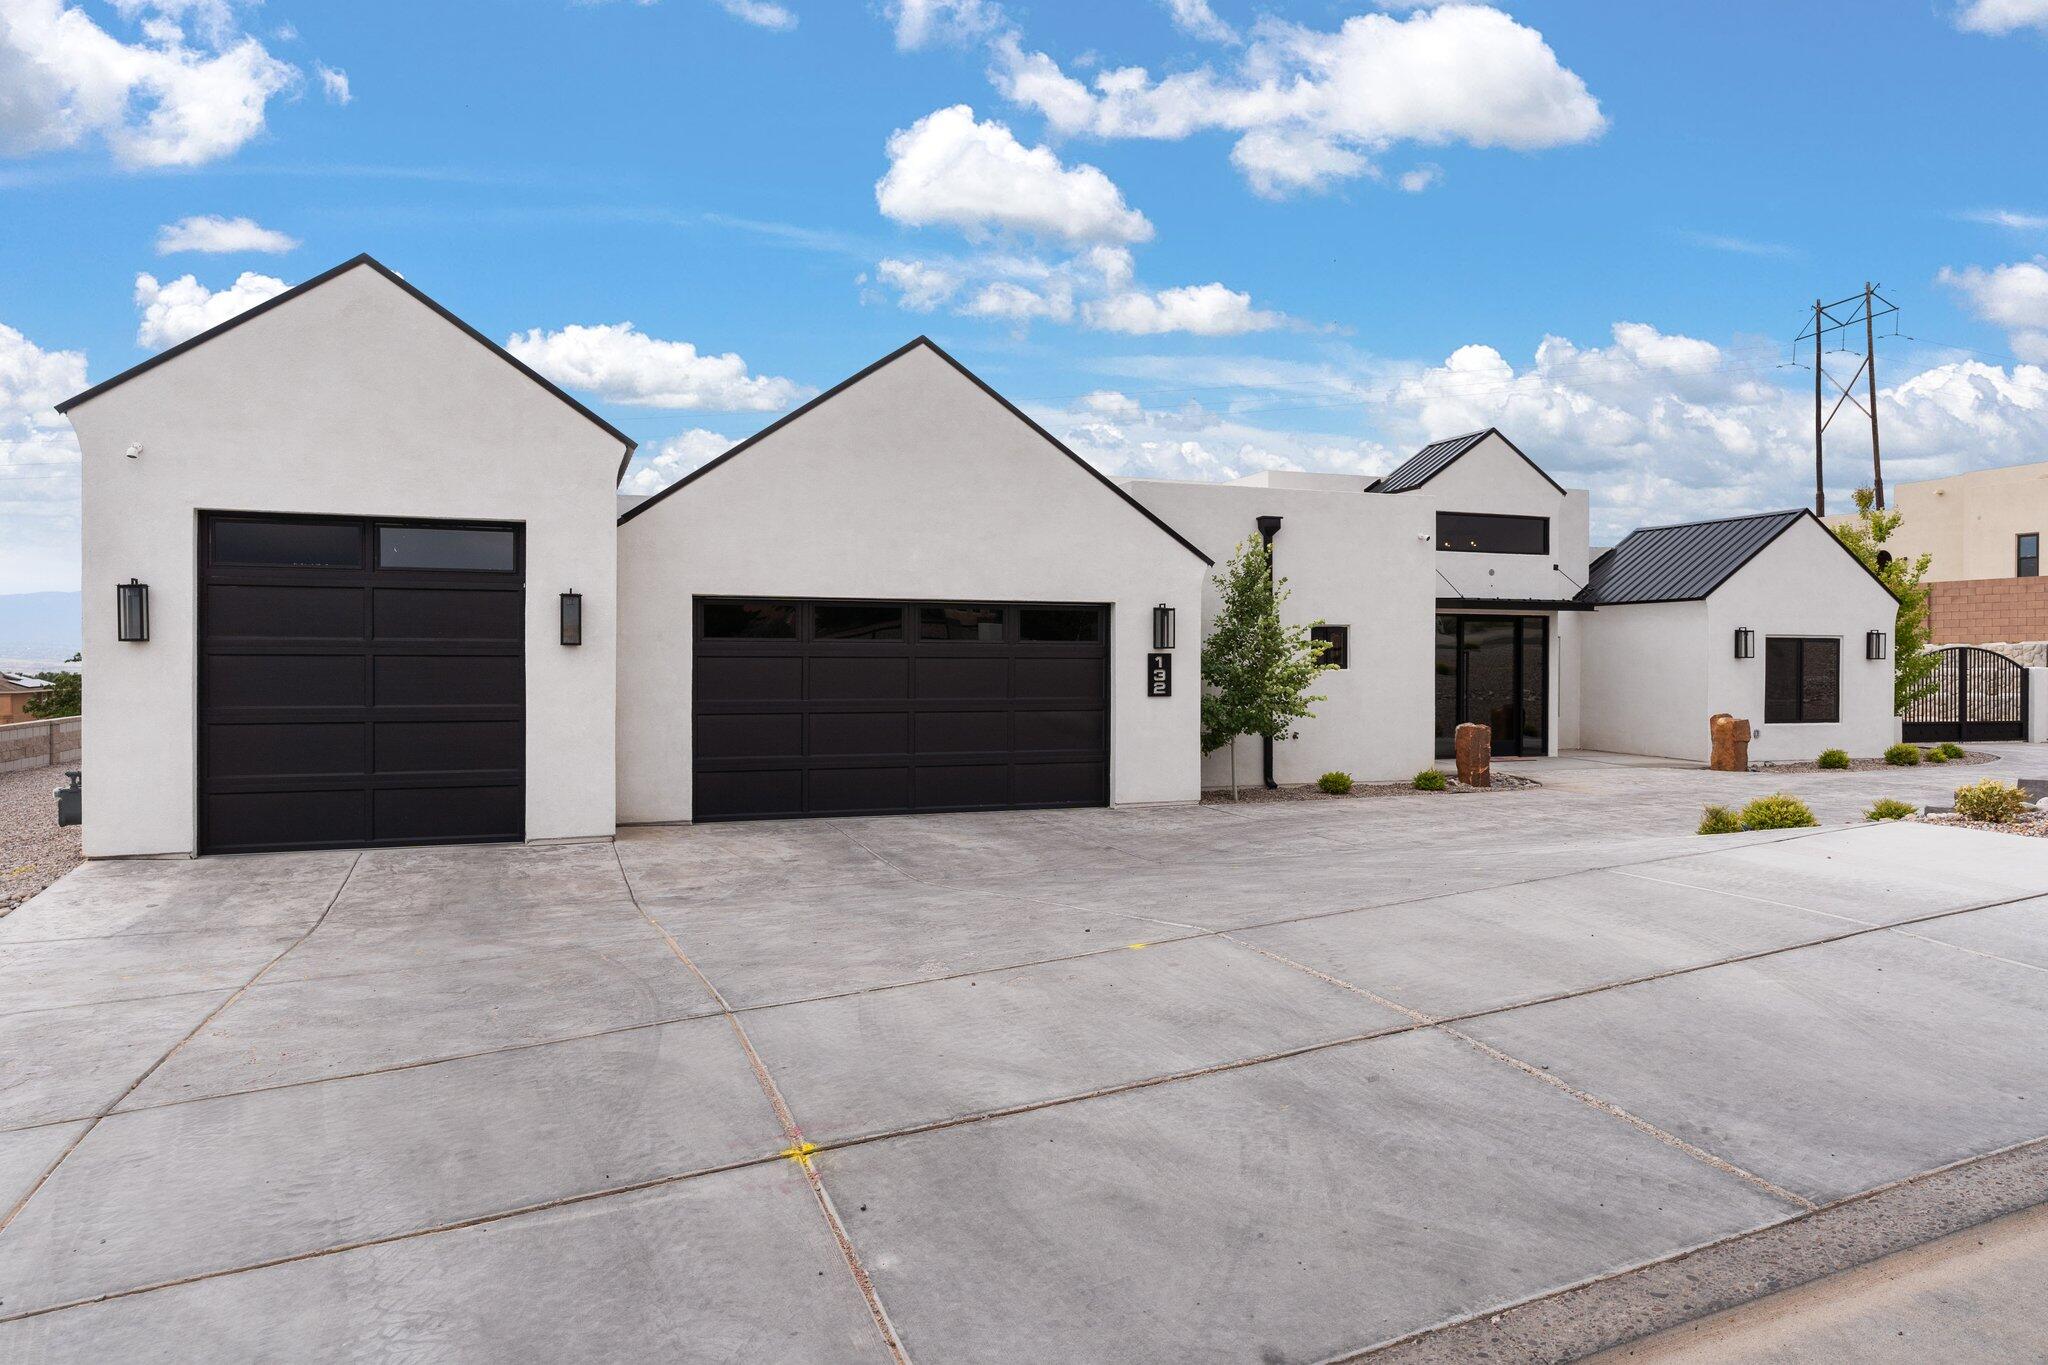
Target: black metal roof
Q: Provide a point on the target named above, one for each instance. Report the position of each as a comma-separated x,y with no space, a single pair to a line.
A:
1432,460
1685,563
323,277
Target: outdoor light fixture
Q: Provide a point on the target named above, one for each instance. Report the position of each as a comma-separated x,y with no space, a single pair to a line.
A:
1162,627
1873,645
131,610
572,618
1745,643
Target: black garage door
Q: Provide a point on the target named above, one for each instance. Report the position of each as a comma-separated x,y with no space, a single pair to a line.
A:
842,708
361,682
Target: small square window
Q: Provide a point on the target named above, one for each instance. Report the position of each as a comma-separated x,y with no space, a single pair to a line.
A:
1339,640
2030,555
1059,624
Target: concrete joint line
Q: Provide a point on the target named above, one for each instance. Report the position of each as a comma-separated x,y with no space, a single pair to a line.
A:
799,1151
172,1051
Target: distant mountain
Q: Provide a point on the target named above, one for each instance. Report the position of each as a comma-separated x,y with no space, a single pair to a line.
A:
40,626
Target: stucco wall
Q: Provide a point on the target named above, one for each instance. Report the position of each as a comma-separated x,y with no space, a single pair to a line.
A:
351,399
1492,478
1352,559
1802,584
1970,522
912,484
1643,680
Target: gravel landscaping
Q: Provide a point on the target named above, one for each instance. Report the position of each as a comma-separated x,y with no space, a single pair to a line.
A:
33,851
2034,824
1309,791
1865,765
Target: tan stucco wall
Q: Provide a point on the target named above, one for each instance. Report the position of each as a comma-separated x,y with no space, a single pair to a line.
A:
1969,522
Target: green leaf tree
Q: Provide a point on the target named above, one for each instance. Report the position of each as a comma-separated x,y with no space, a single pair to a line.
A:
1256,669
61,698
1913,662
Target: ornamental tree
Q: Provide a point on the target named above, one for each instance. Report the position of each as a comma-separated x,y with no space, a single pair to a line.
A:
1256,669
1913,663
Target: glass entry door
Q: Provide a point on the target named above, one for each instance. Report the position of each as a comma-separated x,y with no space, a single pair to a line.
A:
1493,670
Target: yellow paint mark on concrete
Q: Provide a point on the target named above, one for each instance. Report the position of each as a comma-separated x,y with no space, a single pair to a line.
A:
801,1153
1140,945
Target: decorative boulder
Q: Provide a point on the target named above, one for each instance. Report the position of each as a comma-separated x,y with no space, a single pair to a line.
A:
1731,744
1475,754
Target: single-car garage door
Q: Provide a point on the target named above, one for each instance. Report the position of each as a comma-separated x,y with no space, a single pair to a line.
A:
843,708
361,682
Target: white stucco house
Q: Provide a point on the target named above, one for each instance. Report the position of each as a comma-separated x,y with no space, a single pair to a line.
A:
356,576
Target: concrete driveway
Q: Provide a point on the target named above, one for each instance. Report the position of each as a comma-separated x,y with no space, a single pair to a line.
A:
1283,1082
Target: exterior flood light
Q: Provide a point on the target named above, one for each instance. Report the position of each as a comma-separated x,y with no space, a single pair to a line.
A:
1745,643
1873,645
131,610
572,618
1162,627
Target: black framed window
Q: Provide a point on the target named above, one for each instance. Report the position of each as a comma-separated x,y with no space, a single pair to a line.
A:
1338,655
467,549
1490,534
728,620
857,621
960,623
1802,681
1053,625
288,544
2030,555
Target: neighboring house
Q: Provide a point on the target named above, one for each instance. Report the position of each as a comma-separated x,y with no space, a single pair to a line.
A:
15,691
393,598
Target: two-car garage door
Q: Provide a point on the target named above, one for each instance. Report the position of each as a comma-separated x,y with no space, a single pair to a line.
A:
840,708
361,682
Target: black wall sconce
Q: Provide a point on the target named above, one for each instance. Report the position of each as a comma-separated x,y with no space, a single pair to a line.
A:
1745,643
1162,627
572,618
1873,645
131,610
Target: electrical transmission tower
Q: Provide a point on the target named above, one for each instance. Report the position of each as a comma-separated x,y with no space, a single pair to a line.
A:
1861,309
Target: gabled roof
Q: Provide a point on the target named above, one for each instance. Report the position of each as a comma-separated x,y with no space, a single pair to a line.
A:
323,277
1687,562
1432,460
973,378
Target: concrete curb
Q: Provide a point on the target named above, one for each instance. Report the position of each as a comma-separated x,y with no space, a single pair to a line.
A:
1605,1313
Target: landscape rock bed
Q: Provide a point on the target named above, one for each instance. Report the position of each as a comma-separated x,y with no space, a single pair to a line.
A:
1308,791
2034,824
34,851
1866,765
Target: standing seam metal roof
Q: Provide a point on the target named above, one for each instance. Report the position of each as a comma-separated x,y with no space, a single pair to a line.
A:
1428,462
1682,563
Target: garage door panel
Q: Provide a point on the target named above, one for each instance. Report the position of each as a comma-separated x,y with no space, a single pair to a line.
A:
238,681
721,678
750,735
436,681
1059,679
840,677
837,734
284,750
938,719
245,821
248,611
471,746
450,615
346,703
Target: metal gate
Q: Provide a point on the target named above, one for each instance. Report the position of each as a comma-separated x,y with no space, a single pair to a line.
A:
1978,694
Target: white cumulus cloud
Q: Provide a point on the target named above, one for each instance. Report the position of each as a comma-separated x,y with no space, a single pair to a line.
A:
674,458
920,23
760,13
2014,297
334,84
1311,106
1208,310
177,310
948,169
1197,20
920,286
161,101
38,465
621,364
216,235
2002,16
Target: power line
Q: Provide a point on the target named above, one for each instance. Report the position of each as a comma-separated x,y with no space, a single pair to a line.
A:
1840,317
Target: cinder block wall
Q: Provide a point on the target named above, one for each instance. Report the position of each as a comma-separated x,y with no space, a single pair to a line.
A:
39,744
1976,611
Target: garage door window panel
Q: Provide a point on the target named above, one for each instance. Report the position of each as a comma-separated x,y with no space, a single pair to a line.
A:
856,621
1065,625
962,624
288,544
449,549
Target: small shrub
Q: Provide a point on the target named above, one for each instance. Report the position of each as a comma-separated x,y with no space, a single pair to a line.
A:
1888,809
1336,784
1833,758
1950,750
1902,755
1777,812
1430,780
1719,820
1934,756
1991,801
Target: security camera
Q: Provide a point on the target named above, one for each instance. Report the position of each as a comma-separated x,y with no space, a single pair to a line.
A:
135,451
1424,537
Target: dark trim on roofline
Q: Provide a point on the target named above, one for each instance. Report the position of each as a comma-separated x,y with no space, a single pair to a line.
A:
972,377
323,277
1805,514
1482,435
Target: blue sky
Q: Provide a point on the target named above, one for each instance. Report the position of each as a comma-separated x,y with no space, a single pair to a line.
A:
1309,234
